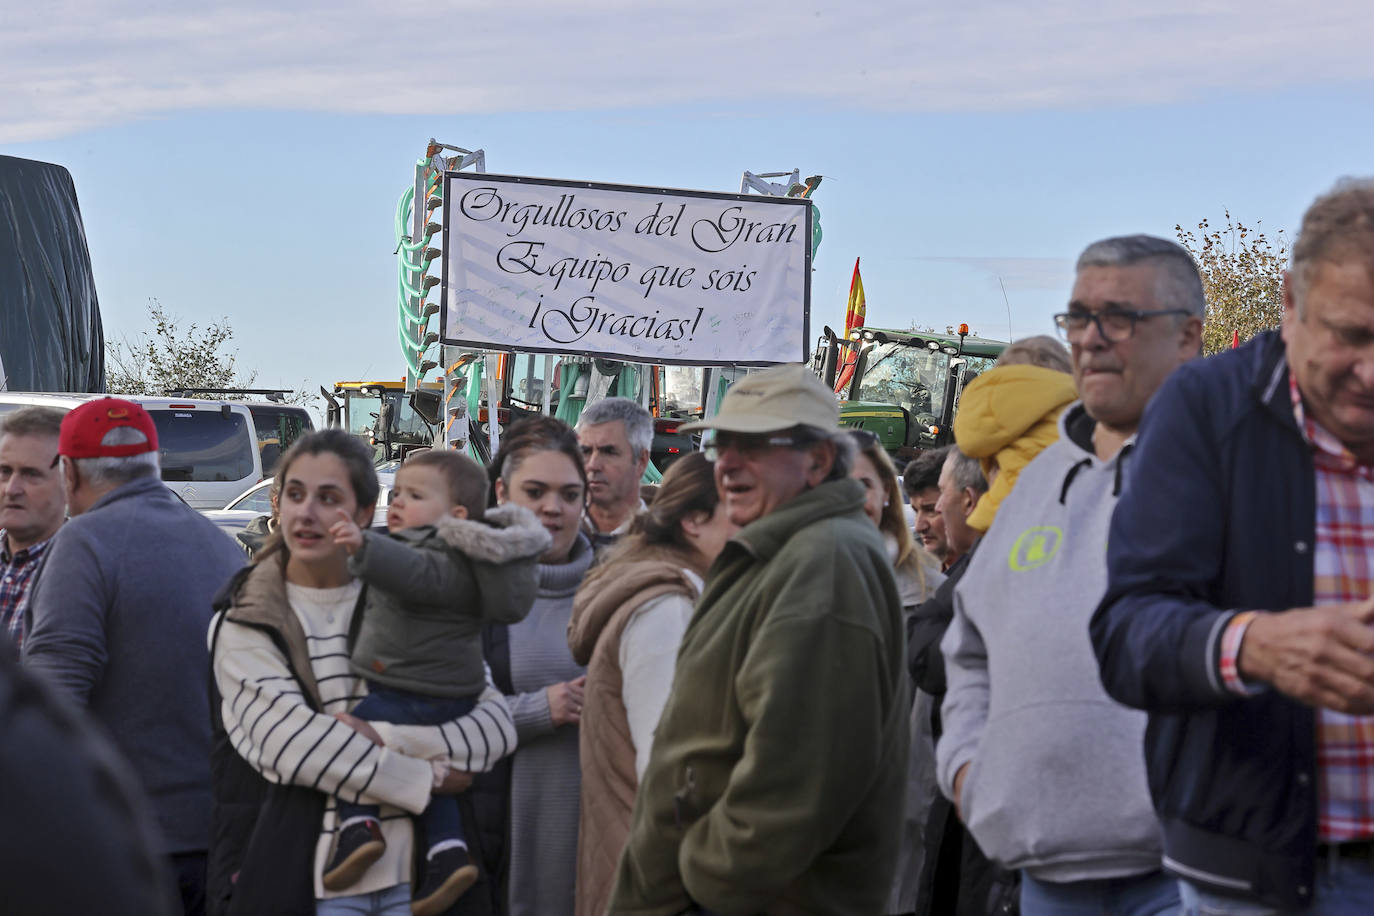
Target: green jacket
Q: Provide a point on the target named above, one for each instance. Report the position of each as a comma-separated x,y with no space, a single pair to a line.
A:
778,770
431,589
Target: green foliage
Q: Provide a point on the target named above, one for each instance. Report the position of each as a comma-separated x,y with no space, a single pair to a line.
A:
170,358
1242,278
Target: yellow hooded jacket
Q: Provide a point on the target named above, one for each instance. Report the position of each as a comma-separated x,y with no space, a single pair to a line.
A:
1006,417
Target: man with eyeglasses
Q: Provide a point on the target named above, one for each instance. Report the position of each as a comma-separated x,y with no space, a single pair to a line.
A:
778,767
1045,768
1239,609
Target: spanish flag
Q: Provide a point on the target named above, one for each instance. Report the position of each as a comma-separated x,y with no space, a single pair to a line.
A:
854,314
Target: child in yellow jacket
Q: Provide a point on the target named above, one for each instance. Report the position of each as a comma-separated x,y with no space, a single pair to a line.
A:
1006,417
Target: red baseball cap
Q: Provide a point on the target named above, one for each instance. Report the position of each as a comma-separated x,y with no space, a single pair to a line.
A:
84,427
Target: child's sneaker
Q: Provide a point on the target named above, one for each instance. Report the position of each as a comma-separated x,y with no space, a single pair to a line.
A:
448,875
360,844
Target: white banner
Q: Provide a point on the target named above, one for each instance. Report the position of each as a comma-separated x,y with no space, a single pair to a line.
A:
641,274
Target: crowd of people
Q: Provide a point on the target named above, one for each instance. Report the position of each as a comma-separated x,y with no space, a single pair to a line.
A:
1110,653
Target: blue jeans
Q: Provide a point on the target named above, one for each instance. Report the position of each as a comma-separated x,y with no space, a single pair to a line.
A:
1155,894
394,901
1345,887
441,819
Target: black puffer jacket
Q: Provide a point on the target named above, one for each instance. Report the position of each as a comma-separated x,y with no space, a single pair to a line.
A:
956,877
262,836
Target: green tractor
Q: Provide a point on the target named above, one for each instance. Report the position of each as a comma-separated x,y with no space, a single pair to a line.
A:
903,386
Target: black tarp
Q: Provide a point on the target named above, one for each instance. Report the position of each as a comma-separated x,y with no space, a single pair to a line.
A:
50,333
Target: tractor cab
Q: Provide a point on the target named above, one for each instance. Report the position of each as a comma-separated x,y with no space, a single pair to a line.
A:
903,386
383,415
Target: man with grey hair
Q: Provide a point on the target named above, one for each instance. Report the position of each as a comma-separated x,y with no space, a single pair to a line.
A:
615,435
961,485
778,767
1045,768
1238,613
32,506
119,613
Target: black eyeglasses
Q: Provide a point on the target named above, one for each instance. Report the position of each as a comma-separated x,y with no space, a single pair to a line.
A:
751,444
1113,323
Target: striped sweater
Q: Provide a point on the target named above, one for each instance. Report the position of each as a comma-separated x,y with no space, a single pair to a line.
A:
274,729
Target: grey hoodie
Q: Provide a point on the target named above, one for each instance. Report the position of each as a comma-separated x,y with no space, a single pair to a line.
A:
1057,783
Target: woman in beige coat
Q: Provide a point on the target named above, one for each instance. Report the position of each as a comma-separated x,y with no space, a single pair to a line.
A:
627,620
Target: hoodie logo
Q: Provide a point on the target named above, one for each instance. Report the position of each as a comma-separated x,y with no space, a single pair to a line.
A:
1034,548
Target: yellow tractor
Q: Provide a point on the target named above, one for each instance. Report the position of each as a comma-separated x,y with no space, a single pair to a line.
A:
384,416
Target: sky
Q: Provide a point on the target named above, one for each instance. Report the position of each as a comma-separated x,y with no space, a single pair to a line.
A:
242,162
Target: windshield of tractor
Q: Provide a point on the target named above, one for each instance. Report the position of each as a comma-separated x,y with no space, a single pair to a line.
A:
913,377
407,426
681,389
362,413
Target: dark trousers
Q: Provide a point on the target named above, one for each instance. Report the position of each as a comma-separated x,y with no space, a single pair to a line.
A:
189,869
440,819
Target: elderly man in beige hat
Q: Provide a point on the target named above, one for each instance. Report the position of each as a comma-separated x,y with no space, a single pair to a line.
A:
778,768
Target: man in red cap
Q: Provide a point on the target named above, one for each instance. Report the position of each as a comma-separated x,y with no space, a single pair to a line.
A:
119,613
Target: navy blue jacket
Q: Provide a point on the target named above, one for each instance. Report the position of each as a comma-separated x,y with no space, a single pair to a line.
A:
118,618
1218,516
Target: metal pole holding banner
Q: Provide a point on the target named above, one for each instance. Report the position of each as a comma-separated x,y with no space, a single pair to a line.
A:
477,161
756,182
709,379
548,384
493,399
419,217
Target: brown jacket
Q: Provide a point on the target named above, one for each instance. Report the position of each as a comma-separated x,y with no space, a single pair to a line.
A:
601,610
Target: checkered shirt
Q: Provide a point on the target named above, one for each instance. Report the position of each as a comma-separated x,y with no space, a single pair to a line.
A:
1343,571
16,572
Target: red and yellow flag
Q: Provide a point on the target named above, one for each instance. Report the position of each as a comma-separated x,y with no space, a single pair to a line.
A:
853,318
854,314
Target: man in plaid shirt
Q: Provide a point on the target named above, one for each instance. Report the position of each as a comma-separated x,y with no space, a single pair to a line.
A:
32,506
1239,611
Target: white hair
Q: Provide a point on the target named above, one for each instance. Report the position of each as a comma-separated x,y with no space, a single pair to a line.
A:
639,425
100,472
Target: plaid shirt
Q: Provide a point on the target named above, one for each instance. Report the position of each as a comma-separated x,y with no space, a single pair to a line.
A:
16,572
1343,571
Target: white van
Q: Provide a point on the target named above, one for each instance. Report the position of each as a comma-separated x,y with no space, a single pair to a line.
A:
208,449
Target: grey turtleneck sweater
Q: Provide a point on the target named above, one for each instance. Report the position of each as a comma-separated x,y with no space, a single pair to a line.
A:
546,776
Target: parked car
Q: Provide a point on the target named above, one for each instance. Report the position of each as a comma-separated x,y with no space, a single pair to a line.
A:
256,501
277,426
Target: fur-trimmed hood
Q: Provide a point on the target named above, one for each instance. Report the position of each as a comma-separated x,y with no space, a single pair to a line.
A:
506,533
